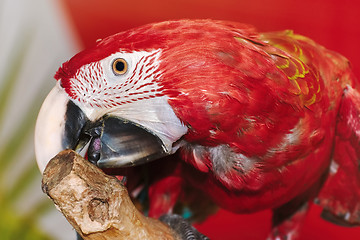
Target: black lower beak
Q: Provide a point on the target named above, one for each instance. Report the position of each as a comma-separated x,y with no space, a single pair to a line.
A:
116,142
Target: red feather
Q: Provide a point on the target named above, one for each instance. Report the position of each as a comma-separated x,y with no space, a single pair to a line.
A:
262,110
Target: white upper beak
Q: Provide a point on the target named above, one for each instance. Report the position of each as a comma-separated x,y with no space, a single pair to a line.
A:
50,126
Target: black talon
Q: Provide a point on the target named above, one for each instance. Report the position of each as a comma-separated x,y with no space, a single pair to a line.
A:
182,227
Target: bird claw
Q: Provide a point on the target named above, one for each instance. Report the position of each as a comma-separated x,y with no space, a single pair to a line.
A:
182,227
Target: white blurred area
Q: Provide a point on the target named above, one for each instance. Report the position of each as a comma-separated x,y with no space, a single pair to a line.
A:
38,31
41,26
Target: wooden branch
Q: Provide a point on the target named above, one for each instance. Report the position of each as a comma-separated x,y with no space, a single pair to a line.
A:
97,205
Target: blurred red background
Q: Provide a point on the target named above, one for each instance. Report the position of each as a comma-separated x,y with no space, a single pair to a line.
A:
334,24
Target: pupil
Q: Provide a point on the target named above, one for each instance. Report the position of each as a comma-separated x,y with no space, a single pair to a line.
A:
120,66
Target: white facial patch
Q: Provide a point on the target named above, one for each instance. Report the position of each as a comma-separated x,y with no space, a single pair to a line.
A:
96,85
134,95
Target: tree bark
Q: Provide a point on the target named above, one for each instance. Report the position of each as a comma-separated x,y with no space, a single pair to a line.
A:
97,205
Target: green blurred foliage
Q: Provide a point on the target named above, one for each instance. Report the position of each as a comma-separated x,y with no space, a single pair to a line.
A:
14,224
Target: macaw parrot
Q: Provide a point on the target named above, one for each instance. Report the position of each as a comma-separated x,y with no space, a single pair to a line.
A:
197,114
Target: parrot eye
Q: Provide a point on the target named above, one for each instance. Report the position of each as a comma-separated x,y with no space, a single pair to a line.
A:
119,66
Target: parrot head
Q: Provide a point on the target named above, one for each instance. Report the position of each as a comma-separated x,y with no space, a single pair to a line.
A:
135,96
109,99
